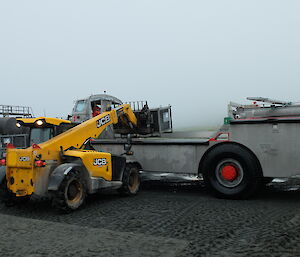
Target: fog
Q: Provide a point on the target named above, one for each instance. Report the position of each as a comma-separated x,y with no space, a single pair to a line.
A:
194,55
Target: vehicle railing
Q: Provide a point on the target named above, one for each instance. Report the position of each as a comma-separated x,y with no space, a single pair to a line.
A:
137,105
11,110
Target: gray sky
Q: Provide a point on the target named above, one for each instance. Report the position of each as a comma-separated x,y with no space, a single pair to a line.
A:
195,55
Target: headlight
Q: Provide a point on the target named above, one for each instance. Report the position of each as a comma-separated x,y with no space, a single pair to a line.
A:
39,122
18,125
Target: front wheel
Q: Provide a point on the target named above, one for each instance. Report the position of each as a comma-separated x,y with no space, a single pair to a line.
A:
131,180
231,171
71,193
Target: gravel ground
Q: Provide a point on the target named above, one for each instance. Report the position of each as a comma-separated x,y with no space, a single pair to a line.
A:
32,237
163,220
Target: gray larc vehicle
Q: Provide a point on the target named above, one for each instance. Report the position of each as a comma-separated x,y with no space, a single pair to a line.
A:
84,109
257,142
152,121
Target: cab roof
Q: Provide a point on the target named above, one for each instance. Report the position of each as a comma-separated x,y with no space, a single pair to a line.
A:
98,97
51,121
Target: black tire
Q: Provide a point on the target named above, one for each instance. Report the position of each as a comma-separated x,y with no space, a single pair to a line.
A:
4,193
131,181
6,197
231,171
267,180
10,199
71,193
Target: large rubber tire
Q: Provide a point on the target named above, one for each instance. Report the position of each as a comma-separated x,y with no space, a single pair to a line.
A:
267,180
71,193
6,197
10,199
131,181
4,193
245,180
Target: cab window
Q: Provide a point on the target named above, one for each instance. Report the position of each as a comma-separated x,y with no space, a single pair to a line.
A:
80,106
40,135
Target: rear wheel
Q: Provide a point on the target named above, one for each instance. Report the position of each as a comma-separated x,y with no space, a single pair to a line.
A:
231,171
8,198
4,193
71,193
131,180
267,180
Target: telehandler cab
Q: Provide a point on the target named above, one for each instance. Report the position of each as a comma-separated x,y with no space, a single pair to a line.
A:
23,132
42,129
66,168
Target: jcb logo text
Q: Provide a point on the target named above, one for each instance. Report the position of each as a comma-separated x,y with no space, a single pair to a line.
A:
103,121
24,159
100,162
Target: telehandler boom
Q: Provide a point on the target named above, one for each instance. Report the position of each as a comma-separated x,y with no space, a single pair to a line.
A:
66,169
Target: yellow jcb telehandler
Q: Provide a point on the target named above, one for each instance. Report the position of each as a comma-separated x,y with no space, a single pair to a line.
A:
66,168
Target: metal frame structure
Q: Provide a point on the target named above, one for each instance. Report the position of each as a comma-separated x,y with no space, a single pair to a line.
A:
16,111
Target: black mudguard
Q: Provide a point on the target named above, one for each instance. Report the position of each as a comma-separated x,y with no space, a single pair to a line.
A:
59,173
118,167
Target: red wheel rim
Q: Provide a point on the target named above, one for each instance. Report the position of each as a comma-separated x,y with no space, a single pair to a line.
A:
229,173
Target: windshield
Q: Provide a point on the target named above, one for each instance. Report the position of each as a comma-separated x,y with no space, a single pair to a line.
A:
40,135
80,106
